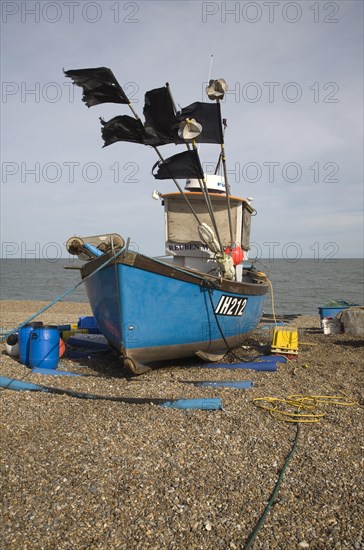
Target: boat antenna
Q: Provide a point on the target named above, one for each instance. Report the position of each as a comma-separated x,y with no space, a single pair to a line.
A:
211,61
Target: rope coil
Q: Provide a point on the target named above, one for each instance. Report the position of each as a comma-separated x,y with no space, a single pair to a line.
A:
281,408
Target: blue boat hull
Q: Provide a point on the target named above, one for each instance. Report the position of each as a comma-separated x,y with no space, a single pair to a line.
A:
151,311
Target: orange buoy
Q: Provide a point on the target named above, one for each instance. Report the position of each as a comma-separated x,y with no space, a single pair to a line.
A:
236,252
62,347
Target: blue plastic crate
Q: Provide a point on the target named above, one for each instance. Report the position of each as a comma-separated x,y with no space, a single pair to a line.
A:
89,322
330,311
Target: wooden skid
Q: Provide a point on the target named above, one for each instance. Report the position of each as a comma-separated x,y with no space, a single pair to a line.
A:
285,351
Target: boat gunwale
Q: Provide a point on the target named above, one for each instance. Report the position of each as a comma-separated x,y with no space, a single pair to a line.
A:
185,274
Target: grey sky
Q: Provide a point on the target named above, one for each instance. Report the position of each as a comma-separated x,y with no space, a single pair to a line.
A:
294,140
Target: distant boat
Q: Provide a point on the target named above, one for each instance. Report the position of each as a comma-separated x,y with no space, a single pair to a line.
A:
204,297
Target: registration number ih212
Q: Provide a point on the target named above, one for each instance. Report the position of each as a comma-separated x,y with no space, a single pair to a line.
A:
231,305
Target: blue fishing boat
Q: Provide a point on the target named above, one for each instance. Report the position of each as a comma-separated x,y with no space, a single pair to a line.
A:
204,296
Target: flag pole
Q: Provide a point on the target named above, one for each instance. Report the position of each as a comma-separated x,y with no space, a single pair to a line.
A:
171,97
134,112
224,123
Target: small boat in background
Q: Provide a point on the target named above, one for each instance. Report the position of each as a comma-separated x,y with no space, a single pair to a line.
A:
204,297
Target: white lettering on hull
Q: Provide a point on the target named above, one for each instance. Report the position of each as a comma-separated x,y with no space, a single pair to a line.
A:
230,305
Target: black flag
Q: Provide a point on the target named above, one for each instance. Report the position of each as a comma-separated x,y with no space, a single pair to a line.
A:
206,114
99,86
122,128
181,166
159,117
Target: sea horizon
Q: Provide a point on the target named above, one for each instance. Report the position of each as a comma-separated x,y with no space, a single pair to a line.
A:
299,287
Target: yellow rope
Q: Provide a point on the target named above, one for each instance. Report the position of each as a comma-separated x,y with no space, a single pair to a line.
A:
277,406
272,297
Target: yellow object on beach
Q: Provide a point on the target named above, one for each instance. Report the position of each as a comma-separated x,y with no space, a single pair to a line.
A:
285,341
301,408
67,334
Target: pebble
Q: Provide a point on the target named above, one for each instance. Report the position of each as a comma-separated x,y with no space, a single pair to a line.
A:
101,474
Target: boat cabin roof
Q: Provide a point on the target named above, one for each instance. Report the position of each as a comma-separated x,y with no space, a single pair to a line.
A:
216,196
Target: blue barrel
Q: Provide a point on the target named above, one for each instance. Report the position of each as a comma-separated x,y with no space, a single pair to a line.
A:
24,341
44,347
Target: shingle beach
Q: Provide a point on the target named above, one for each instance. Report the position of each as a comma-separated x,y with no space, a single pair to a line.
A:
98,474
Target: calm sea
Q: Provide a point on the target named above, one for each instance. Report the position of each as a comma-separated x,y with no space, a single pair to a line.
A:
299,287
